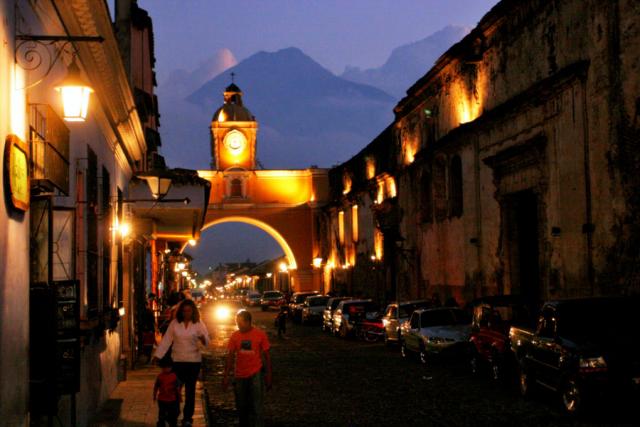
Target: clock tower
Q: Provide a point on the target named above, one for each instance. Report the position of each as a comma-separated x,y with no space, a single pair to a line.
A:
233,134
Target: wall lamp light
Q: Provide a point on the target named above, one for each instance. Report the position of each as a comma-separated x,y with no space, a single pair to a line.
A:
74,89
159,183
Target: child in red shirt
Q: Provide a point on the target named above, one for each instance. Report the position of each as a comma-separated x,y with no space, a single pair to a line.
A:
167,392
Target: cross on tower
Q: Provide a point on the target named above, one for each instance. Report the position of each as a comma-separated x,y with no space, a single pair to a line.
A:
233,77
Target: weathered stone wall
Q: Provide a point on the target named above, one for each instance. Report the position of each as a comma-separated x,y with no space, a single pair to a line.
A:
541,96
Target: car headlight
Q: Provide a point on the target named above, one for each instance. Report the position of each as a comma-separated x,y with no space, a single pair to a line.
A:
385,322
589,363
222,313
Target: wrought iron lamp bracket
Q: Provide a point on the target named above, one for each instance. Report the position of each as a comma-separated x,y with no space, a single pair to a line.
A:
32,51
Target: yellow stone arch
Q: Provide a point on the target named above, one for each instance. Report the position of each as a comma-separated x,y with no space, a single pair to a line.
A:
291,259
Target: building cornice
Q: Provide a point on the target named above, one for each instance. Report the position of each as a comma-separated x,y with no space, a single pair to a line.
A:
103,66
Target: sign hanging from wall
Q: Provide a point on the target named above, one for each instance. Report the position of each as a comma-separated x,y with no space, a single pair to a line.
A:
16,172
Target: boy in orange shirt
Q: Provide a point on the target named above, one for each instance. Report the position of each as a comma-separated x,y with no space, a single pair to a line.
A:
247,347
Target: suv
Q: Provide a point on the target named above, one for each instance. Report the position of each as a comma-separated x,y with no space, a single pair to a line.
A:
272,299
327,314
582,349
396,314
295,304
349,313
313,307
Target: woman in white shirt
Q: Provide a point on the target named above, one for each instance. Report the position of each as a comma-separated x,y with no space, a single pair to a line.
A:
183,335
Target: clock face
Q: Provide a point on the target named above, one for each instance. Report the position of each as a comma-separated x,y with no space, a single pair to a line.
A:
235,142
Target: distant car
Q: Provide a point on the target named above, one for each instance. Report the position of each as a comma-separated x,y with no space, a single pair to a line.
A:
313,307
224,311
197,295
252,298
272,299
396,314
327,314
295,304
432,331
349,313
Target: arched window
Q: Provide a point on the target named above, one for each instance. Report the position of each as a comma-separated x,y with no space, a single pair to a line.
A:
236,188
440,188
426,197
455,187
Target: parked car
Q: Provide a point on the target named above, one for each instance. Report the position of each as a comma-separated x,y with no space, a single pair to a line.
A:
295,304
395,315
252,298
580,349
313,307
493,316
435,330
272,299
327,314
349,313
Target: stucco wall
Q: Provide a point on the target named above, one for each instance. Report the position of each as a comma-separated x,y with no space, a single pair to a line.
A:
14,249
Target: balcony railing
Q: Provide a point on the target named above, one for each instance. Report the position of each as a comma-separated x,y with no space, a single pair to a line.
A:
49,139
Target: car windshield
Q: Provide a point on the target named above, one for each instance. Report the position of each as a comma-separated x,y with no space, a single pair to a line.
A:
314,302
272,295
361,308
407,309
443,317
300,298
597,319
335,303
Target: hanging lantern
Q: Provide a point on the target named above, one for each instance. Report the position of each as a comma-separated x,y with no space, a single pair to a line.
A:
75,94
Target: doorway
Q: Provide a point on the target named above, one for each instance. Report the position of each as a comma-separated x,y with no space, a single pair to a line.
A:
523,244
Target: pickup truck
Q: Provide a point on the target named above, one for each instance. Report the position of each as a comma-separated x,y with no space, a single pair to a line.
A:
580,349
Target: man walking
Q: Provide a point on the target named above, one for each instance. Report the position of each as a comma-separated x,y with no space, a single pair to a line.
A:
247,347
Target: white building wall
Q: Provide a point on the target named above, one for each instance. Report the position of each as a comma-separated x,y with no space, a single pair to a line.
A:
14,245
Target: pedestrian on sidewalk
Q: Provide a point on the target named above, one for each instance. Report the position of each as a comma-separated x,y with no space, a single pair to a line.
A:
247,348
166,391
281,321
183,335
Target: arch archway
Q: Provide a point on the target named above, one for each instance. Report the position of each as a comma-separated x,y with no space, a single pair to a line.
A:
288,252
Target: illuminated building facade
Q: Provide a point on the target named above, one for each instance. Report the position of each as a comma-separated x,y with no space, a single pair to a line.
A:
513,162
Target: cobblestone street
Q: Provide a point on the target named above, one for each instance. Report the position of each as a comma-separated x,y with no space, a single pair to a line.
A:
323,380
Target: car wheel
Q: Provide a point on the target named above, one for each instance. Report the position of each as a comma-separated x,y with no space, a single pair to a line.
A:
525,382
423,355
386,338
571,397
403,350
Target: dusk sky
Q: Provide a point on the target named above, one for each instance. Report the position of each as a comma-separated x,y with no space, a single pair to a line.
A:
335,33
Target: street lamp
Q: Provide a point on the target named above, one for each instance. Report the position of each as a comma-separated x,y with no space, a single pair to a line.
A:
159,183
75,92
74,89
